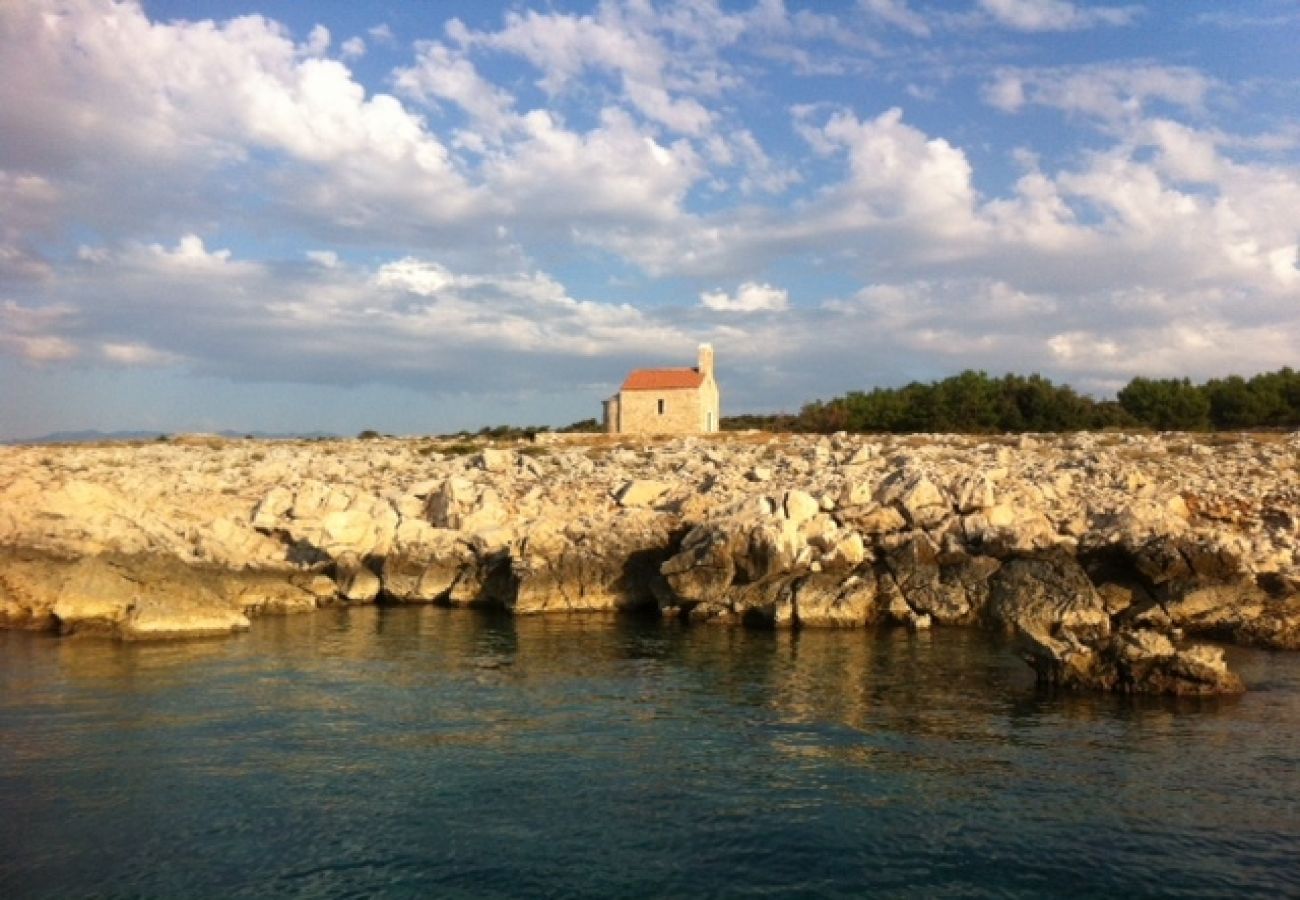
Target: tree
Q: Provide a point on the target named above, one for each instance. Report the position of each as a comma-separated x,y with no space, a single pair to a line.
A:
1167,404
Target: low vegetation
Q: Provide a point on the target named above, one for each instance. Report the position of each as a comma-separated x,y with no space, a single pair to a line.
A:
975,402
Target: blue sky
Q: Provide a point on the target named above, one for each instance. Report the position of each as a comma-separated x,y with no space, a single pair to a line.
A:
426,217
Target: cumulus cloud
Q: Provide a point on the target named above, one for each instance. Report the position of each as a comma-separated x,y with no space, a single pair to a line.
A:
170,188
897,172
441,73
189,253
414,275
613,171
97,86
749,297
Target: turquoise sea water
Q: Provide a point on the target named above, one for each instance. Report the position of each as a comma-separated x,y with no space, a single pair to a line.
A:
432,752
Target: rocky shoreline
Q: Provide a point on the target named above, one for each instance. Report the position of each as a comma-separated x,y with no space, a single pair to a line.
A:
1102,553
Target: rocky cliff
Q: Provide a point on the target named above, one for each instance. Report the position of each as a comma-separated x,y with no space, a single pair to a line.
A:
1101,553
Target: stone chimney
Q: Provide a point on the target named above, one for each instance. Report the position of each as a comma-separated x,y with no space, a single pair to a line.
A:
705,365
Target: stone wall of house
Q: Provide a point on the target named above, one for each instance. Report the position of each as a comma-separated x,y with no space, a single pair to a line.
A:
661,412
710,404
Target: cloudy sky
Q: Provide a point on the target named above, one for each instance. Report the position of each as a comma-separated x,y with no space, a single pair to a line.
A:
420,217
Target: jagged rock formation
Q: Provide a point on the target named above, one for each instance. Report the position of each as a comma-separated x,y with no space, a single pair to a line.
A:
1101,553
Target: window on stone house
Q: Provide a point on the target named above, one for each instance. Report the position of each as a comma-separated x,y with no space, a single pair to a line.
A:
661,406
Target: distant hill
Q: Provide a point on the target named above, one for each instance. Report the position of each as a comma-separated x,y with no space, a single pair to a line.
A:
90,435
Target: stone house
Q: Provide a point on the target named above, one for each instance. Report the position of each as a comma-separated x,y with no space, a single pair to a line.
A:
666,401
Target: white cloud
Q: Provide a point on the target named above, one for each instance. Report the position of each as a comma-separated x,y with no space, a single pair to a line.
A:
31,332
1081,346
134,354
318,41
29,202
39,348
965,304
1146,225
1109,92
1056,15
749,297
408,320
564,46
441,73
613,171
326,259
99,81
898,173
414,275
898,14
759,173
353,48
189,253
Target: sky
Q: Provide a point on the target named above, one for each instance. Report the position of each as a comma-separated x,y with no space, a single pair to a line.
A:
423,217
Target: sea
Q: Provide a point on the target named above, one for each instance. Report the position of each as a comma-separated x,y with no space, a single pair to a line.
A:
431,752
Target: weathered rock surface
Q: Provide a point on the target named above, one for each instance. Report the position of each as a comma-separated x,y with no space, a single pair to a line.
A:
1099,551
138,598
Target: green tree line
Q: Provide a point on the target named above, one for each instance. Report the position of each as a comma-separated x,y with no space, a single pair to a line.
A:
979,403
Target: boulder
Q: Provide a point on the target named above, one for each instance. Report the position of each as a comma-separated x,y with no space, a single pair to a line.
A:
1147,662
702,569
272,508
798,507
831,601
357,582
916,496
950,593
641,492
426,571
462,505
495,460
1055,612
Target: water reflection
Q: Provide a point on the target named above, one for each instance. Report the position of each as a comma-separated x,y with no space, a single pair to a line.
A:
446,749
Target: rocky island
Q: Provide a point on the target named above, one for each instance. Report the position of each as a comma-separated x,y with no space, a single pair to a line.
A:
1102,553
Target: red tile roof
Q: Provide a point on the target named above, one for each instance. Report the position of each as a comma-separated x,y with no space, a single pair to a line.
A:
663,379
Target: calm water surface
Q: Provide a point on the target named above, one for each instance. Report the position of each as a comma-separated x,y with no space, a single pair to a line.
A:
431,752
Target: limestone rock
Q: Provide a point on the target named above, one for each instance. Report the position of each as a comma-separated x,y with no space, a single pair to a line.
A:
641,493
828,601
495,460
919,499
357,583
425,572
702,569
463,505
1055,613
775,530
878,520
611,568
799,506
1147,662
